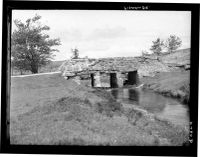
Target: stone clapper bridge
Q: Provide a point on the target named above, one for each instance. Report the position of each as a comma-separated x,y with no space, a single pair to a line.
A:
111,72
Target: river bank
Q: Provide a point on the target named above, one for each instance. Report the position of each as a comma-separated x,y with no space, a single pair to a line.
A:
172,84
50,110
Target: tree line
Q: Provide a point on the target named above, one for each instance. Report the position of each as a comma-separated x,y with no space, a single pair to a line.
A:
171,44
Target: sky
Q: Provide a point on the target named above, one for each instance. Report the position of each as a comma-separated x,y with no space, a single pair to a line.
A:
106,33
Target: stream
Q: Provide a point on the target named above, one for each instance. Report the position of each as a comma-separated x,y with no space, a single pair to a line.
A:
164,107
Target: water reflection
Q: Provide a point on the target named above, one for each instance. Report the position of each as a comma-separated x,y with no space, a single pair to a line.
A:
133,95
152,102
115,93
164,107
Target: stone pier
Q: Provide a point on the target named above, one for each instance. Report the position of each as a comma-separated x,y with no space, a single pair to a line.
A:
97,79
120,81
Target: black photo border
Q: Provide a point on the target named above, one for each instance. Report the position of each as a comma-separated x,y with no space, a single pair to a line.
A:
6,147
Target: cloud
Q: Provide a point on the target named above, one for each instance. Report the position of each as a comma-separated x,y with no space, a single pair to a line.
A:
96,46
107,33
69,35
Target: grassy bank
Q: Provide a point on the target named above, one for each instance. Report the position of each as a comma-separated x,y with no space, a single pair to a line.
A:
173,84
50,110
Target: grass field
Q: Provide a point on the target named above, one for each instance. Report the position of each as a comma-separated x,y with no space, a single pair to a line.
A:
50,110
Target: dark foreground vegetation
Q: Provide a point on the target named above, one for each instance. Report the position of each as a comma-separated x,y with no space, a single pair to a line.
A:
51,110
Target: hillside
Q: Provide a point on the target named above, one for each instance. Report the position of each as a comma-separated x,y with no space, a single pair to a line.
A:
180,58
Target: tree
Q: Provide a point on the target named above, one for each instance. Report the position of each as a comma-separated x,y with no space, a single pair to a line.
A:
31,48
173,43
157,46
75,53
21,65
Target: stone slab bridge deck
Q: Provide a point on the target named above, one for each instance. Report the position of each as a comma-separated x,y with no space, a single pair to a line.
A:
111,72
102,72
